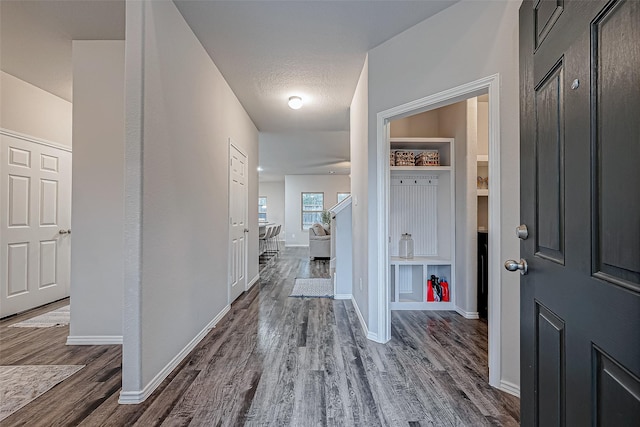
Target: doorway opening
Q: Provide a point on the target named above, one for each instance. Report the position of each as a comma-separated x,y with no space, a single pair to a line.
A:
463,300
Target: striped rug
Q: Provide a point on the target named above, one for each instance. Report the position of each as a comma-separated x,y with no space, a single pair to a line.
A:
58,318
317,287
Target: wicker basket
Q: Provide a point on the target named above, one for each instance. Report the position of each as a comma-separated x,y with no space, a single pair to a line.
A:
392,158
428,158
405,158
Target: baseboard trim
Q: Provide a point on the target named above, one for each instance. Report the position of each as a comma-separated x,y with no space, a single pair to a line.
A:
253,281
135,397
342,296
359,314
295,246
94,340
374,337
510,388
467,314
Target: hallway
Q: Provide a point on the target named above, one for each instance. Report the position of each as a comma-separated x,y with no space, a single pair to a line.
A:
276,360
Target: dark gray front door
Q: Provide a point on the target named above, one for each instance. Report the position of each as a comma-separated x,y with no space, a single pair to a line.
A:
580,199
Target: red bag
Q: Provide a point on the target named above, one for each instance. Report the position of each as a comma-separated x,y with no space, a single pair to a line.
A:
445,290
430,291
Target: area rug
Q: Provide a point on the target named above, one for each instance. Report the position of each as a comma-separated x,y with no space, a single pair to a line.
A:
59,317
22,384
321,288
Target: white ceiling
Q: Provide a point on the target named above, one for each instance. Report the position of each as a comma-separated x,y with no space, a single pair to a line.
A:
303,153
267,51
35,37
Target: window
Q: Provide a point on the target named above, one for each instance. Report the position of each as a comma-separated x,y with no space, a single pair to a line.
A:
342,196
312,207
262,209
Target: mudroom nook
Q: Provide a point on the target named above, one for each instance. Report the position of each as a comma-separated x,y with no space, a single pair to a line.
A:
438,208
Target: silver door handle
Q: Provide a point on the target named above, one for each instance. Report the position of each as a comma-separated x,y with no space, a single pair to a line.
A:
246,230
512,265
64,231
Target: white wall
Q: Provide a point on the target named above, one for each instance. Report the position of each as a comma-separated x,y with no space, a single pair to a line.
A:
459,121
274,192
342,251
465,42
483,127
359,175
180,113
423,125
97,259
294,186
29,110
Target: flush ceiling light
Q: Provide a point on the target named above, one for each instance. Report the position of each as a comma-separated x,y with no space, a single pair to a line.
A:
295,102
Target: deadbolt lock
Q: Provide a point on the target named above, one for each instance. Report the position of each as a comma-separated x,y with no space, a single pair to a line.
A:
522,232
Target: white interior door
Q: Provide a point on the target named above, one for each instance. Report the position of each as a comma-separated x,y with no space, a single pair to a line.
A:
238,201
35,189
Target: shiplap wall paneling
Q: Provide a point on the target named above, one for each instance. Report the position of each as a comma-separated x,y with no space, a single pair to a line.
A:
414,210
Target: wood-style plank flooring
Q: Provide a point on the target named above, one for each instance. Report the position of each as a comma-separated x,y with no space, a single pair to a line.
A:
280,361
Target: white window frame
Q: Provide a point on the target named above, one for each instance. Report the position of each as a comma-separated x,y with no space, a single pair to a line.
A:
345,196
265,207
303,211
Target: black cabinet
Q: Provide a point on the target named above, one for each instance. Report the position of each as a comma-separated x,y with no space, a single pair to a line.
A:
483,272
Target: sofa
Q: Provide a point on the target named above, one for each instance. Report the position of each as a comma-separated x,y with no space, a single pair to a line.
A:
319,241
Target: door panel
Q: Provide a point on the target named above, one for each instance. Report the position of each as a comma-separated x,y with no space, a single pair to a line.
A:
48,263
48,163
550,165
36,190
18,157
546,15
617,55
580,151
17,268
18,202
48,202
617,393
550,363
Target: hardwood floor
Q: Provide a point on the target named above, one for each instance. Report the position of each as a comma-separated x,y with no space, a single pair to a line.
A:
279,361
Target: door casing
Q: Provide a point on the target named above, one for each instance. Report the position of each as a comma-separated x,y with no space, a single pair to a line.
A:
490,84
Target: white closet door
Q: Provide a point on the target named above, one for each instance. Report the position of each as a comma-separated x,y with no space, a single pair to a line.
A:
238,212
36,198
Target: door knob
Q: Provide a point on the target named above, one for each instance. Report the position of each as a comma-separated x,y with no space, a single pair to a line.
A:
513,265
64,231
246,230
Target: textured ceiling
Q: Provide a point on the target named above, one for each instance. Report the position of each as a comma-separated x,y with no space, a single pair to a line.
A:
270,50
